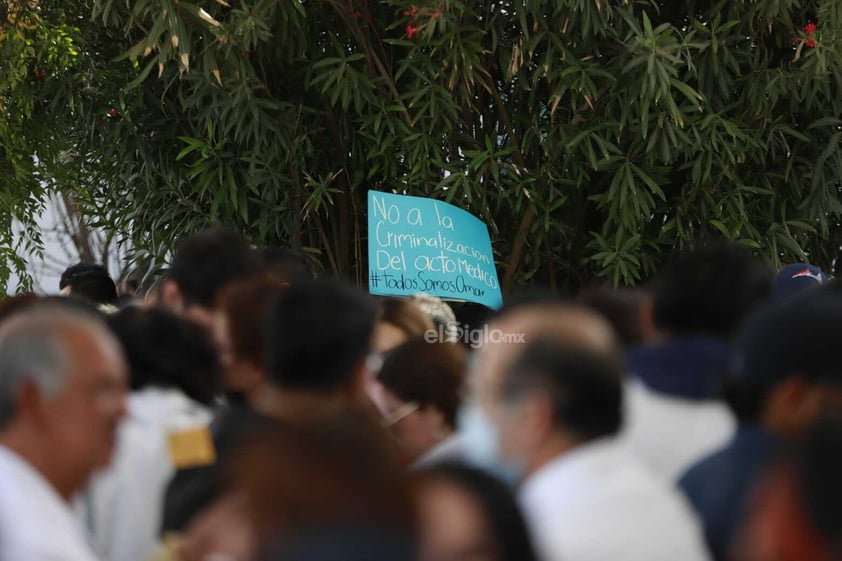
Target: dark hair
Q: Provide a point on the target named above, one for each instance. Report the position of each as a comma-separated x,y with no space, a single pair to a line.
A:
620,307
319,332
90,282
710,290
782,340
585,387
406,316
747,398
287,264
209,260
430,374
245,304
498,505
165,350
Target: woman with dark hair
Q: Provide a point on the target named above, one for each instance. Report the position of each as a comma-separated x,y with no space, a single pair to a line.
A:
467,515
174,374
422,385
240,335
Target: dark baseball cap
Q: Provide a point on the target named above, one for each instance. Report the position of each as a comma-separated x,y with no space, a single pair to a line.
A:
799,337
796,278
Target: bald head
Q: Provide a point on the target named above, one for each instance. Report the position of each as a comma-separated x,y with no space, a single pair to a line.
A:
568,325
548,379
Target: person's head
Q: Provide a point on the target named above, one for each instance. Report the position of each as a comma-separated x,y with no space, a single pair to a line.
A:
786,372
468,515
518,324
520,387
400,320
556,397
62,392
90,282
165,350
709,291
201,267
241,320
319,337
422,392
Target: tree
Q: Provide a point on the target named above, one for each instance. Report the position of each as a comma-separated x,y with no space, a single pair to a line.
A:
595,137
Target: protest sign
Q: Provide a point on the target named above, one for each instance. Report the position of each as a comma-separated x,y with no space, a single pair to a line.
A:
417,244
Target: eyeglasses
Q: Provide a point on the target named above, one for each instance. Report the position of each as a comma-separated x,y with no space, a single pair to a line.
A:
400,414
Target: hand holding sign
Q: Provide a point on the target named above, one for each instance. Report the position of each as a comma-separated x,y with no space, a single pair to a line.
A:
423,245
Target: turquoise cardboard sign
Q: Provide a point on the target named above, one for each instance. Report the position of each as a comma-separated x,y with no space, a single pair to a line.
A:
424,245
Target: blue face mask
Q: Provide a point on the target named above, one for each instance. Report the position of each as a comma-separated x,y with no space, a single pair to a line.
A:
481,444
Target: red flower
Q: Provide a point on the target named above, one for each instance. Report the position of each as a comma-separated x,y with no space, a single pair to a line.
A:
357,15
810,28
811,42
112,112
40,74
411,31
412,11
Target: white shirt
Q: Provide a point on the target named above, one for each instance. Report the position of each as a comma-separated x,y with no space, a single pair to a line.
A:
597,503
124,504
670,434
36,524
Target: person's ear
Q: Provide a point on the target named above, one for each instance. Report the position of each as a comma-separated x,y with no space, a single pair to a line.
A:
29,401
537,416
169,296
245,377
793,406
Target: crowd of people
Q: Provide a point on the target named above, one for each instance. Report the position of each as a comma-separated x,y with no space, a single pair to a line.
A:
242,410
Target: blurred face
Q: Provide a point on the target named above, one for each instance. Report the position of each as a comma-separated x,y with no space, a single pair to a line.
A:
453,525
486,384
239,376
416,429
80,423
516,430
221,337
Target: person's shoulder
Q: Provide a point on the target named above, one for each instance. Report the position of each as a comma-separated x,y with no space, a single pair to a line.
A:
22,536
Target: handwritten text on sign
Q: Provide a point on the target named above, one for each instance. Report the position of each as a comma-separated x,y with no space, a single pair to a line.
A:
423,245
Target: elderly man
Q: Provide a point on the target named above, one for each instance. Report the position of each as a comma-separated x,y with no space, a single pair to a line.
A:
550,408
62,388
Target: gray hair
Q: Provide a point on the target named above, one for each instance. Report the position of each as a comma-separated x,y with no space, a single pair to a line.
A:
33,348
